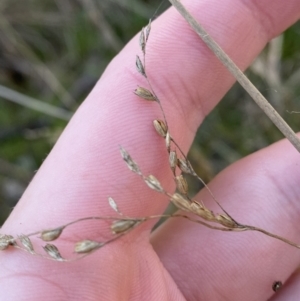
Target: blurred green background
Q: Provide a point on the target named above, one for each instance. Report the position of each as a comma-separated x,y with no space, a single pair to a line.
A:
52,52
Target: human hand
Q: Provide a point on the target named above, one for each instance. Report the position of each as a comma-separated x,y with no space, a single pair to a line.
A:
183,260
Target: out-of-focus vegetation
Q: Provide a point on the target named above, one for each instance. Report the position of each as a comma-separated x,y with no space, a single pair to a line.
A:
52,52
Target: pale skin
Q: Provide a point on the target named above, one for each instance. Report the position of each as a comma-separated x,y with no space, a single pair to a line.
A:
181,260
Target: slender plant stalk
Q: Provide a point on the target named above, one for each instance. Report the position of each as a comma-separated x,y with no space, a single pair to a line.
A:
260,100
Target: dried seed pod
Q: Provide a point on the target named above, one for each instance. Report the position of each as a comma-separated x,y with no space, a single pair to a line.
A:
206,214
153,183
142,41
147,30
160,127
50,235
122,225
276,286
181,184
181,202
130,163
26,242
185,166
196,207
53,252
113,205
168,142
139,66
199,210
173,160
226,221
6,241
87,246
144,93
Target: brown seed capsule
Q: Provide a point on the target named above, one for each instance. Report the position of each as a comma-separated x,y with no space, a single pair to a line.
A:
53,252
185,166
122,225
139,66
6,241
173,160
50,235
113,205
196,207
226,221
148,29
26,242
130,163
201,211
87,246
276,286
168,141
142,40
144,93
181,184
181,202
207,214
153,183
160,127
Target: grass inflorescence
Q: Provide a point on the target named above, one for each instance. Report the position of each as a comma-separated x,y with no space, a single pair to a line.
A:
121,224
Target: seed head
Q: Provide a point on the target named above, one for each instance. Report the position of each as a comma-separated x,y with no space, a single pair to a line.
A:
113,205
153,183
144,93
226,221
53,252
206,214
168,142
121,226
6,241
148,29
181,184
185,166
139,66
142,41
87,246
160,127
50,235
130,163
181,202
173,160
26,242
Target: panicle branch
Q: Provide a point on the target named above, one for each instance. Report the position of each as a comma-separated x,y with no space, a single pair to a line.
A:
121,224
